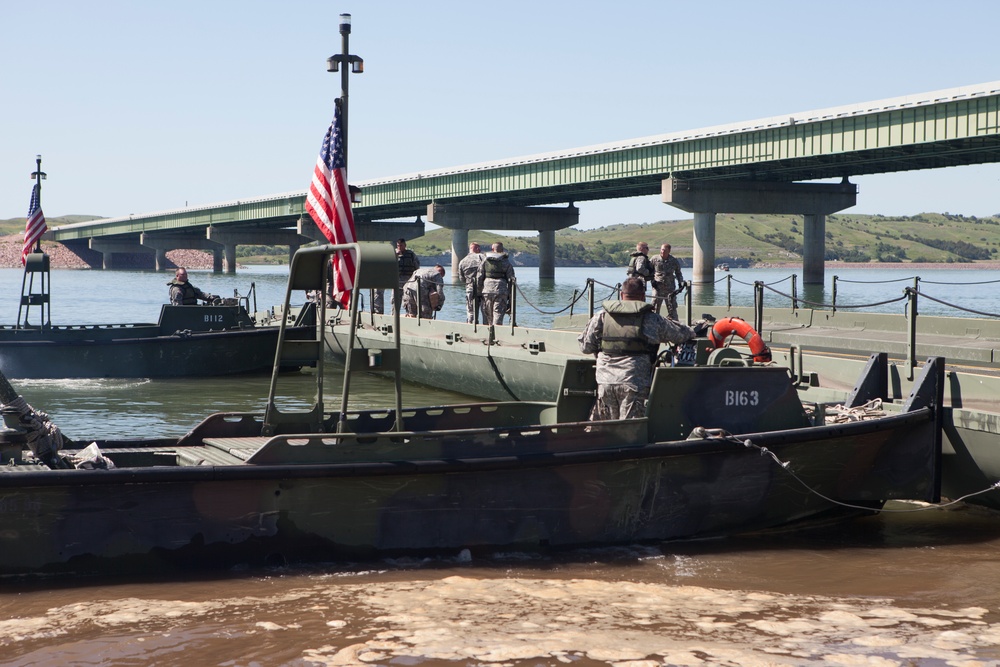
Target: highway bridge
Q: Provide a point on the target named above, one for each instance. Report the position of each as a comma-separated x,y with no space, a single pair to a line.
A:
769,165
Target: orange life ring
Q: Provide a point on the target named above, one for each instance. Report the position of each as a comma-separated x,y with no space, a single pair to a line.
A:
728,326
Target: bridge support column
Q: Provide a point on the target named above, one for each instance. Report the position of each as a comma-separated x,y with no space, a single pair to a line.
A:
547,254
703,258
459,249
813,248
226,241
292,247
813,200
229,258
163,242
133,255
543,219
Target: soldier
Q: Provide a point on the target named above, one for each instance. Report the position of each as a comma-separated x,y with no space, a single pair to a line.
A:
638,265
496,274
183,293
431,290
408,263
625,337
666,278
468,269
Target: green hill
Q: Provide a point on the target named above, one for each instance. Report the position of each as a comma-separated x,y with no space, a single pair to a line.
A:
749,239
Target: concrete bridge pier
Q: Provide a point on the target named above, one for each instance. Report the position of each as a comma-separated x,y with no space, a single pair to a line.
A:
459,249
161,243
814,201
227,240
109,249
461,218
703,255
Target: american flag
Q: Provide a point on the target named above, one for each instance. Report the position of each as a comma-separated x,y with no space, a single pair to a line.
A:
329,205
35,226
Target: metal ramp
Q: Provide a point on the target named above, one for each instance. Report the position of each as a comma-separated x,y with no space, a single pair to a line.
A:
376,268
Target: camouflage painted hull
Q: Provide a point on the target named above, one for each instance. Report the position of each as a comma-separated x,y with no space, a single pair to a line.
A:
505,476
188,341
525,364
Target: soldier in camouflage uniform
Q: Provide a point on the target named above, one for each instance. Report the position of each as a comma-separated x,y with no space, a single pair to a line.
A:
625,338
408,263
468,269
496,275
431,286
666,278
638,265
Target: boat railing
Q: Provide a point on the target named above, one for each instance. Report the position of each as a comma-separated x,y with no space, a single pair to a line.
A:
320,269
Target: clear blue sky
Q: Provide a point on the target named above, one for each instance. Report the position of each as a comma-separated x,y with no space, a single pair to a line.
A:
145,106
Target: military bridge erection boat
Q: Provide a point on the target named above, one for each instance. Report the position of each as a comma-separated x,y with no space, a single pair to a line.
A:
725,449
218,338
824,349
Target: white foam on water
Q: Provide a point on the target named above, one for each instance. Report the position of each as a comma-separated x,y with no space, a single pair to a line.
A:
512,621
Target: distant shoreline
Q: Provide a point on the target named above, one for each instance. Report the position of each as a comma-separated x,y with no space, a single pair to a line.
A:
61,257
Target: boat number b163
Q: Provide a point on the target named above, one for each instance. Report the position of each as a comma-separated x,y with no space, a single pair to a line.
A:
742,397
213,318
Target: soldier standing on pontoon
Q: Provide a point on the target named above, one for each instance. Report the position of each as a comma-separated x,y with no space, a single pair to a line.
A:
468,269
496,275
667,277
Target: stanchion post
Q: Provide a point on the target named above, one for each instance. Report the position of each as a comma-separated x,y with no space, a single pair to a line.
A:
795,300
687,300
513,304
911,338
590,297
729,291
758,304
835,294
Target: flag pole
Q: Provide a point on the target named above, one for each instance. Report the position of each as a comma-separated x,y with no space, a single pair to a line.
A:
346,64
39,176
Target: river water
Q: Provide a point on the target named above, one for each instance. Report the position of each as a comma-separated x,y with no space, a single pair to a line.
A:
900,588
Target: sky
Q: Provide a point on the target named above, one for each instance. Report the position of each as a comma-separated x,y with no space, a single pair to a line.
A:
139,107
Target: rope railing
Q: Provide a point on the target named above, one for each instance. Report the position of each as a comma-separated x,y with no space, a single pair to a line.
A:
832,306
874,282
577,296
957,307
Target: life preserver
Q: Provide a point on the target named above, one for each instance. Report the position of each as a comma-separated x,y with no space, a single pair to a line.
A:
728,326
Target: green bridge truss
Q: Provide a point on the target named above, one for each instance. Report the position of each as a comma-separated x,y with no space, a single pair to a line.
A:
947,128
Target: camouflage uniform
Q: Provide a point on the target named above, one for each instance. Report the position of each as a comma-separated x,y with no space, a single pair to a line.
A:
624,377
666,278
468,269
639,267
408,263
430,281
186,294
496,274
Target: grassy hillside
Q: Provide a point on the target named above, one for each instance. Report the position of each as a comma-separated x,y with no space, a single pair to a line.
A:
740,239
929,237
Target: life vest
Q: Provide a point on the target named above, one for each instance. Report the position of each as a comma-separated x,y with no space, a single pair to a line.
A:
728,326
496,267
189,294
623,328
407,261
635,260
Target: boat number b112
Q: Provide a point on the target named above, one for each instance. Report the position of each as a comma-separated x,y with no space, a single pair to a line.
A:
214,318
742,397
